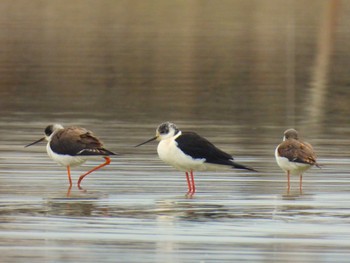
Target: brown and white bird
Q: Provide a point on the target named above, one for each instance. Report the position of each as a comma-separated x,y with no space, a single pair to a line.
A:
295,156
72,147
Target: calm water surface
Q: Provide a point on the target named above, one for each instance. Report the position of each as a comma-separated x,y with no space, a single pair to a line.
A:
238,73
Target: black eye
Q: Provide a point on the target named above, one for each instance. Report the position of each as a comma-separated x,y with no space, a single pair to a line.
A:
164,129
49,130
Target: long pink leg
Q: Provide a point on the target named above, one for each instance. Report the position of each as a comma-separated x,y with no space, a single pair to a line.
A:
108,161
189,185
70,181
288,178
193,185
69,177
68,191
301,182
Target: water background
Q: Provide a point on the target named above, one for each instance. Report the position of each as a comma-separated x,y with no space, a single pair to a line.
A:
237,72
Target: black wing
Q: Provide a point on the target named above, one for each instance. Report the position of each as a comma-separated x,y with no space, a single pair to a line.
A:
200,148
77,141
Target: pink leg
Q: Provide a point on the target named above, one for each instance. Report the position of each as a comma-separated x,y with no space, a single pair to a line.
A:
193,185
69,190
288,178
301,182
108,161
69,177
189,185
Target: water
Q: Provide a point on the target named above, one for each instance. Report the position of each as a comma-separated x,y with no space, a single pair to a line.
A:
238,73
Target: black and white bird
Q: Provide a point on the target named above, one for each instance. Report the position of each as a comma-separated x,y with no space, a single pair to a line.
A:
72,147
295,156
188,152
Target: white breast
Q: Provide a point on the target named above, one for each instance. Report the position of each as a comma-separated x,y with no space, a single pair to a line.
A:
65,160
169,153
293,167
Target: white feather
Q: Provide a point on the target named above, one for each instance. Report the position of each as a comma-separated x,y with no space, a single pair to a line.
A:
294,168
64,159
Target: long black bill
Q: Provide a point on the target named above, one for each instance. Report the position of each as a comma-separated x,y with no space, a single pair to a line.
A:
40,140
152,139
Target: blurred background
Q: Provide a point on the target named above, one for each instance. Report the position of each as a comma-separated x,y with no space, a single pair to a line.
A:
238,72
246,62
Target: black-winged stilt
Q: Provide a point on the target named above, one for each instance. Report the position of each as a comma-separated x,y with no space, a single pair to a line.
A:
188,152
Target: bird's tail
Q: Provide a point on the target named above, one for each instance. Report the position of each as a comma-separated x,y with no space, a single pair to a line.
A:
240,166
108,152
318,165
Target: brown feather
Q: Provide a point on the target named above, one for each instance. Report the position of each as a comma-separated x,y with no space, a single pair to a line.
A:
297,151
77,141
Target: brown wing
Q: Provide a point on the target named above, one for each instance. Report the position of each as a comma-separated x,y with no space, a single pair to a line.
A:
77,141
296,151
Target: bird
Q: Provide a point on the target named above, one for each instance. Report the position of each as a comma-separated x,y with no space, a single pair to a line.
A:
189,152
73,146
295,156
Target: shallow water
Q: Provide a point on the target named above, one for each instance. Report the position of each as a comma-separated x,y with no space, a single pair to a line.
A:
238,73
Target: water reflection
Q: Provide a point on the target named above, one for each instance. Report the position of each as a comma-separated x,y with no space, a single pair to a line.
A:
287,206
80,208
320,78
137,203
106,65
238,72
